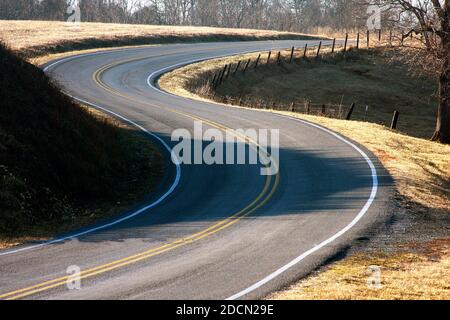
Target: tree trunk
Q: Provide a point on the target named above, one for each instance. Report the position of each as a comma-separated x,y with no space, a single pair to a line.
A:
442,133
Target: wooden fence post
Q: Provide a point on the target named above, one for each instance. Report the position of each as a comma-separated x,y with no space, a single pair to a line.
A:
350,112
216,84
357,41
279,57
379,35
268,58
257,61
237,67
368,38
306,50
346,40
395,120
223,73
390,37
217,80
334,44
246,66
229,71
318,49
292,55
225,70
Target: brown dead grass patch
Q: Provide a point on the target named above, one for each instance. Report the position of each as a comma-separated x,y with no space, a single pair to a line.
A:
412,269
406,275
38,38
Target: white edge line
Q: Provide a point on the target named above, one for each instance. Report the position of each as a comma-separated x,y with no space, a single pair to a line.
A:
304,255
360,215
128,217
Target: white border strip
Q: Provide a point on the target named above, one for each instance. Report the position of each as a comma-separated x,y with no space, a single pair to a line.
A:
303,256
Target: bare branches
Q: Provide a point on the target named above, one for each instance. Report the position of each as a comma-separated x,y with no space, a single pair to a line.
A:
284,15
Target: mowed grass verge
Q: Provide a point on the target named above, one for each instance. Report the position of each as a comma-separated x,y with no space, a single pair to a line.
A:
34,39
412,251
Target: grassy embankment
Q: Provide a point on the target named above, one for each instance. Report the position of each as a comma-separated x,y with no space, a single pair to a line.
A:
39,41
62,165
412,251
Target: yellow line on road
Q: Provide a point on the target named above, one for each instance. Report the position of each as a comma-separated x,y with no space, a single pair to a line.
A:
221,225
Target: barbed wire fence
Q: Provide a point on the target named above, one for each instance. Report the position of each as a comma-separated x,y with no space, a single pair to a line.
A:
308,53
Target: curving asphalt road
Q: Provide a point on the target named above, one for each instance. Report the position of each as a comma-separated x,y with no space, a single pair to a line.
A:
209,232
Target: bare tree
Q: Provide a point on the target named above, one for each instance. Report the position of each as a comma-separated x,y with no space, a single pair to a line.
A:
430,19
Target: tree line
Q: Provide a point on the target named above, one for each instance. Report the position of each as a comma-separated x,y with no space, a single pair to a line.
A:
283,15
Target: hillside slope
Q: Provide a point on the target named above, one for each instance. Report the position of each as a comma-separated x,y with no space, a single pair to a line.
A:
58,160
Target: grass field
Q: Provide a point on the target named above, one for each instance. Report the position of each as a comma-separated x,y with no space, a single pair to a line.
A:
38,38
412,251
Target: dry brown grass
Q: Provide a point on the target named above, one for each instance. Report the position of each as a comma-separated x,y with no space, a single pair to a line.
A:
421,169
405,275
338,34
37,38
